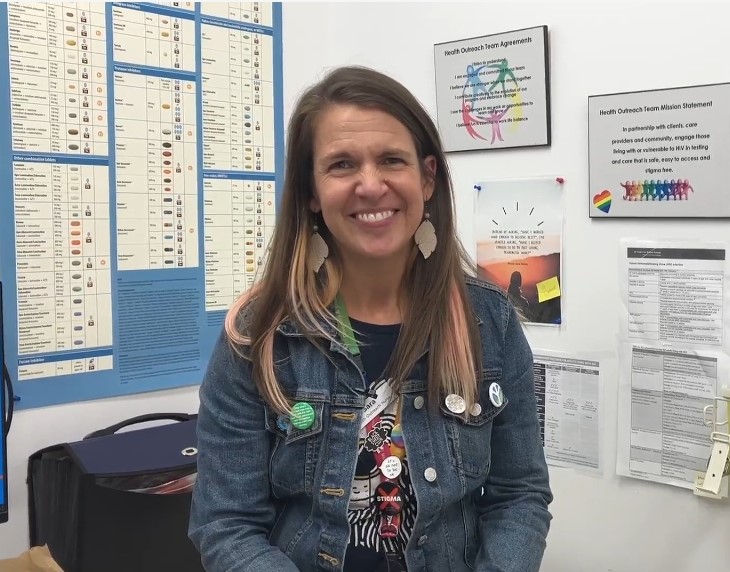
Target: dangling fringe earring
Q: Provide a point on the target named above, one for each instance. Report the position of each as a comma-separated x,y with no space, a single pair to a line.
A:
318,250
426,236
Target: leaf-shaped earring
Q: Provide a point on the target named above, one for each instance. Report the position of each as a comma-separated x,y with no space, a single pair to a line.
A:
318,250
426,237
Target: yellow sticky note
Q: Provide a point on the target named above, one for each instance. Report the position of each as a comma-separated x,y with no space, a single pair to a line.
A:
548,289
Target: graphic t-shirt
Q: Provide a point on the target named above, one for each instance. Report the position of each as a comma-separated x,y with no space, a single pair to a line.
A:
367,550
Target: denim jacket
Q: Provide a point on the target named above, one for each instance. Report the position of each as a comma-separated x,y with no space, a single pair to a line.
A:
267,500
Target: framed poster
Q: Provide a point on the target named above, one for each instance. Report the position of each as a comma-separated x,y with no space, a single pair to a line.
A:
660,154
493,92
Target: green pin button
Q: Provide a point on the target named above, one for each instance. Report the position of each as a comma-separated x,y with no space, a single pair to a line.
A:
302,415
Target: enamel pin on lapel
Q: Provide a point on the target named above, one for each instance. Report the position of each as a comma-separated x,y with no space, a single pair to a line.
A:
495,395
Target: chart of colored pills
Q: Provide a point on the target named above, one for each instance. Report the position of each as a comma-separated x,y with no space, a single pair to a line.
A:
144,144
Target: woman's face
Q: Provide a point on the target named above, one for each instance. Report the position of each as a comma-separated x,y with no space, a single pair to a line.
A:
368,183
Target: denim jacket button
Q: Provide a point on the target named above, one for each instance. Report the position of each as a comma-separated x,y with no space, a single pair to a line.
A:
418,402
422,540
430,474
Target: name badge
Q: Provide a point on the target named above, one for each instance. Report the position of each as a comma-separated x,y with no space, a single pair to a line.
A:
384,396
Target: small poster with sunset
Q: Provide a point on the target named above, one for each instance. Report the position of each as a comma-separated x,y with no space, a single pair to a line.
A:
519,243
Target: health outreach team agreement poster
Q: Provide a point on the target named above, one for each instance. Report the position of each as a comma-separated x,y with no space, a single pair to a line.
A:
143,144
493,92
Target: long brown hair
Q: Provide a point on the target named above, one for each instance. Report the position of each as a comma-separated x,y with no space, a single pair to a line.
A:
438,315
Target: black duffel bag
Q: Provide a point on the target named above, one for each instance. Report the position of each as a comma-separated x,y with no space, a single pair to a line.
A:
97,503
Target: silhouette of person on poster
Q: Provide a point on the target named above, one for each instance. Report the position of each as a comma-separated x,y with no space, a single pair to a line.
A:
514,291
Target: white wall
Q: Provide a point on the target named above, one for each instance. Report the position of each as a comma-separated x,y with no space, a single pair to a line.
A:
601,524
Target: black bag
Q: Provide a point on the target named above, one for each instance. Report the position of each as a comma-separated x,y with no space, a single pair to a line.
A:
82,504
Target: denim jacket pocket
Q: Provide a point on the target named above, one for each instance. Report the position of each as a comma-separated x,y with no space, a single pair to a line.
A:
469,436
294,453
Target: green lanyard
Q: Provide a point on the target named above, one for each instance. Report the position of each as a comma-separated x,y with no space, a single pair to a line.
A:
351,342
347,332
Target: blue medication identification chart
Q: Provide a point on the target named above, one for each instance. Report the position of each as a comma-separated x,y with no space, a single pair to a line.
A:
144,146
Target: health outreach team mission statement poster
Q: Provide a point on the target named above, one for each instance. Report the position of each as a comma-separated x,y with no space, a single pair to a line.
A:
661,153
144,146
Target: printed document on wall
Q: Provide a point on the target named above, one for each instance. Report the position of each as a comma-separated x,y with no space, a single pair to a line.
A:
675,294
568,392
662,395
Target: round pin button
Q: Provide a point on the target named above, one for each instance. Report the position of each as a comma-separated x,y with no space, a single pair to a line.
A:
476,410
396,436
389,498
283,423
418,402
397,451
455,403
391,467
302,415
495,395
430,474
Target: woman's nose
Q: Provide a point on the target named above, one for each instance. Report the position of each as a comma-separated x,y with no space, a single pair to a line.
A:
371,183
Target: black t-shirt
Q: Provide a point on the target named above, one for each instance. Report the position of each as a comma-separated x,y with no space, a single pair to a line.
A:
367,551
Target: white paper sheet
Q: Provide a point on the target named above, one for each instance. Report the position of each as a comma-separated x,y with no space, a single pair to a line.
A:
662,394
569,398
674,293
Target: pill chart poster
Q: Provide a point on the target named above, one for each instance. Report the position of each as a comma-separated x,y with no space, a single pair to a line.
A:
663,153
143,150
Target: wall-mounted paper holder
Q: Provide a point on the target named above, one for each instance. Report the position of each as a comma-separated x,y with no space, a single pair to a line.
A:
713,482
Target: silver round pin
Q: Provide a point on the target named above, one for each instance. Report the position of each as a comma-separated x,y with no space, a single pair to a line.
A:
455,403
476,410
495,395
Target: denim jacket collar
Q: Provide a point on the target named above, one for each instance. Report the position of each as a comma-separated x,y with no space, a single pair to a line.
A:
417,382
290,328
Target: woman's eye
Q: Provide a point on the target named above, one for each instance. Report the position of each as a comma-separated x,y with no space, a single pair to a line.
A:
393,161
340,165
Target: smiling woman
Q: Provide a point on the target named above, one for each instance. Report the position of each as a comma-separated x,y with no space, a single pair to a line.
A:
370,187
370,406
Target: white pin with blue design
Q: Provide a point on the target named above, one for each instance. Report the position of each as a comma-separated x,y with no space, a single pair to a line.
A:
495,395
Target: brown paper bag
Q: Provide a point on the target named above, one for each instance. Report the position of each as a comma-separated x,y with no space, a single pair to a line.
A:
36,559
